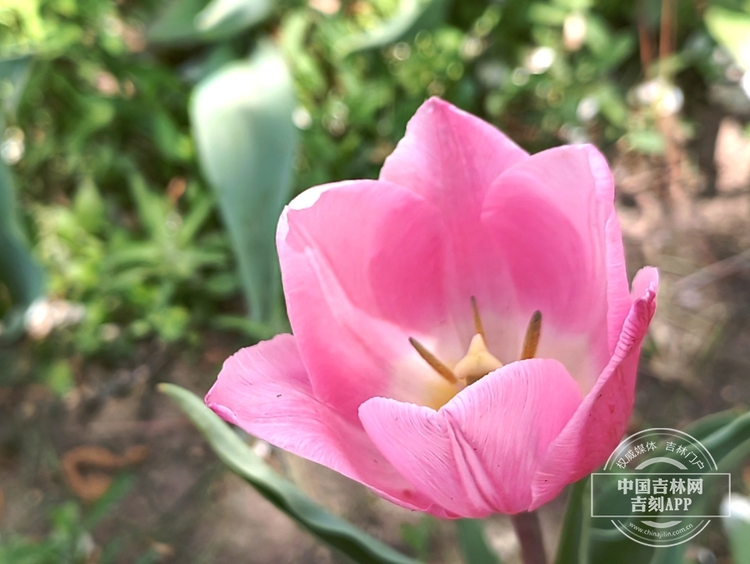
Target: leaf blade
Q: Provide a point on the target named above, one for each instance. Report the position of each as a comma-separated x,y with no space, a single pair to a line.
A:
473,543
188,22
240,458
241,118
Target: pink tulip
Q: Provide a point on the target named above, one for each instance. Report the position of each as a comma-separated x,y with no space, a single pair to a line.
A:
374,270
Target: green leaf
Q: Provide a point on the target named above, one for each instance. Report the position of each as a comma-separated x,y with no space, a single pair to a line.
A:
293,39
200,210
419,535
576,525
241,459
21,275
729,442
186,22
542,13
19,272
621,46
732,30
241,118
14,72
611,104
473,543
612,547
224,18
176,24
89,206
171,142
152,212
709,424
411,16
737,528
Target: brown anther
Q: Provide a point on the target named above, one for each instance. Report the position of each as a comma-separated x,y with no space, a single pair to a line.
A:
478,327
433,361
533,333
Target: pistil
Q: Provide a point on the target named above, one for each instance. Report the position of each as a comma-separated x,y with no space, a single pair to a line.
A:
477,363
478,360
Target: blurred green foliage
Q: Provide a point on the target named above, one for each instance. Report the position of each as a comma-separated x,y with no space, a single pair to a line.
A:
108,180
69,538
65,543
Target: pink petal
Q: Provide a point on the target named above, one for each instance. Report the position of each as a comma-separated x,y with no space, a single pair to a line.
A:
552,223
265,390
645,281
618,298
478,454
599,423
451,158
363,270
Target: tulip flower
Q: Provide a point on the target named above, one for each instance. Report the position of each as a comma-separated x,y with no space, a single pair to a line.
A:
464,338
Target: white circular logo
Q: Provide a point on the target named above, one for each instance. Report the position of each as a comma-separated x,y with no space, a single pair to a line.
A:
655,486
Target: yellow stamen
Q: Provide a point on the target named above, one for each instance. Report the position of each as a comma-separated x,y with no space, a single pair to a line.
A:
533,333
477,363
478,327
433,361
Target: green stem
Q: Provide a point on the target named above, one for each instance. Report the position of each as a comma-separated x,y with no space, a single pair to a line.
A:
529,535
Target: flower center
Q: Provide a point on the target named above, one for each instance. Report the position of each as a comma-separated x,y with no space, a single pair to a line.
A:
478,360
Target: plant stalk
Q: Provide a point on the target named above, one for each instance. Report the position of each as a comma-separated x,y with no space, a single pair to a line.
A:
529,534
